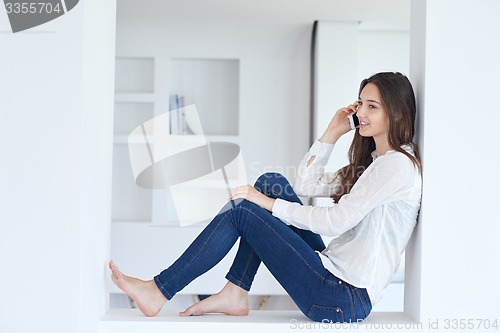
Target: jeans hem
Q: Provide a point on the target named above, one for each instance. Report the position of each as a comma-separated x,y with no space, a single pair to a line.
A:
163,290
237,282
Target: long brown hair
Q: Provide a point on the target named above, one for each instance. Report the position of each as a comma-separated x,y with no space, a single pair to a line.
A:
398,99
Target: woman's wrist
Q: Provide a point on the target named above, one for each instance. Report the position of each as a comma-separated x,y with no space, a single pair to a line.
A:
329,137
270,204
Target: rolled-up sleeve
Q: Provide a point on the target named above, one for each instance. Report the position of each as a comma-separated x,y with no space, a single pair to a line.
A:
311,180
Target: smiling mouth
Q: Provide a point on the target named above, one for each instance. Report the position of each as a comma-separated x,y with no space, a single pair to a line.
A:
363,124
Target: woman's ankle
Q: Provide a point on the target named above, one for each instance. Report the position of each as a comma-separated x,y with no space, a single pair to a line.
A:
232,289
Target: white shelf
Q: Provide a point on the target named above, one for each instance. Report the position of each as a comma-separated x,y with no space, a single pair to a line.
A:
208,138
124,138
134,97
144,222
168,224
212,85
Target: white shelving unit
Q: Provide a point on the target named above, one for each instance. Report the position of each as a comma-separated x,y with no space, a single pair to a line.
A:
134,97
146,220
134,104
142,90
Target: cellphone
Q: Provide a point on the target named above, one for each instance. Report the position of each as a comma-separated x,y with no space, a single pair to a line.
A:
353,120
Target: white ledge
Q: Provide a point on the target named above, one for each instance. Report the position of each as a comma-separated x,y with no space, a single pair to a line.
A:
131,320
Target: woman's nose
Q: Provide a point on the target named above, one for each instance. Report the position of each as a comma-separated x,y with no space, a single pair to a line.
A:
361,111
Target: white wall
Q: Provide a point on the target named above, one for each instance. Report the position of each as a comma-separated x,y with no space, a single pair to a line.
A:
339,72
337,84
96,151
55,134
456,70
383,50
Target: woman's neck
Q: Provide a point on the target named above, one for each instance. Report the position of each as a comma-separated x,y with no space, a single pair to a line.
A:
382,145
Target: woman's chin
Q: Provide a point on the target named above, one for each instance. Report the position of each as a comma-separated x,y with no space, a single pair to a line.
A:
364,134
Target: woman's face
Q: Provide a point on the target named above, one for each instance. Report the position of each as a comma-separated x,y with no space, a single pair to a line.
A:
373,118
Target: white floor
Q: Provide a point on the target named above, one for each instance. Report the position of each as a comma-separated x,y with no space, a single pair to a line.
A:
181,302
393,301
132,321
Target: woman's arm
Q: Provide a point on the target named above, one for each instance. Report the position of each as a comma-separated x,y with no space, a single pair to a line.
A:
311,180
380,183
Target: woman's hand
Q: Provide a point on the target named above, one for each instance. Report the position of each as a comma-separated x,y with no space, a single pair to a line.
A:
251,194
339,125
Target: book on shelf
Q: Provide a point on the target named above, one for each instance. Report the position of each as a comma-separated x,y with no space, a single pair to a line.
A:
178,124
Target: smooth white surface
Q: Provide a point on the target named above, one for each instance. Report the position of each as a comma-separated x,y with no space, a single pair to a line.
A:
55,133
413,268
134,75
381,14
457,80
337,81
124,321
383,51
96,158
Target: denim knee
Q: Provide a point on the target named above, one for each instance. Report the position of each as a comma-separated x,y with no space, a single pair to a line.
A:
275,185
268,176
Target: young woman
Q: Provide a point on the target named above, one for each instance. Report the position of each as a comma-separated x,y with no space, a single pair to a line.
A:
377,199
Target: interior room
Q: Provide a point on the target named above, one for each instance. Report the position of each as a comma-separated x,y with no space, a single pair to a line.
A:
253,80
84,97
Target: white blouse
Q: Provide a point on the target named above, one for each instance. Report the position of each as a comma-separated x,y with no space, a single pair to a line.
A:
372,224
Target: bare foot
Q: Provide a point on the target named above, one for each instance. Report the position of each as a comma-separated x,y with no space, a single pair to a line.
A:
231,300
146,294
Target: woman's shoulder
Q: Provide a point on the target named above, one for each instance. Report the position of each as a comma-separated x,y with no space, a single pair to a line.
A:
398,160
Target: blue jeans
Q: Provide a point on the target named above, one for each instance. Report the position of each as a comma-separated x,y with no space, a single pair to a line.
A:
288,253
